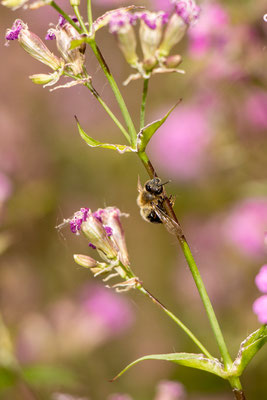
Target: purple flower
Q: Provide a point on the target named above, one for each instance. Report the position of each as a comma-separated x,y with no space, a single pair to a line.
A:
120,20
78,218
245,226
187,10
260,309
13,33
153,19
261,279
182,142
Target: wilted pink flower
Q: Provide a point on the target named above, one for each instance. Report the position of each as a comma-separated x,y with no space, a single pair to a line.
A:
170,390
260,309
246,225
5,188
212,30
261,279
182,142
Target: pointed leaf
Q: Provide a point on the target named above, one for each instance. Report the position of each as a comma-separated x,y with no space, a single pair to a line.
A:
248,348
148,131
95,143
198,361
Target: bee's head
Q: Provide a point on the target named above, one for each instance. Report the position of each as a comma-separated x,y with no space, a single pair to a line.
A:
154,186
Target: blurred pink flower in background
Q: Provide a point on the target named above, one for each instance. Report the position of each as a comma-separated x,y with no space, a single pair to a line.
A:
261,279
211,31
181,144
170,390
254,110
72,327
245,226
5,188
119,396
112,309
260,309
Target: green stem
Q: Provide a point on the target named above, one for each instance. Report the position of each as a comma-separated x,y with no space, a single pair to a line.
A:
177,321
80,19
116,91
90,15
108,110
143,105
60,11
194,271
101,101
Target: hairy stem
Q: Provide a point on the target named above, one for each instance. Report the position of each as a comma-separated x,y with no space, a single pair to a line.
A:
239,394
143,105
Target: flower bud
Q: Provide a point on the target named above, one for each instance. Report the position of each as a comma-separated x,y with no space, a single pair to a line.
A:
85,261
120,24
33,45
42,79
173,61
64,34
186,13
150,31
149,63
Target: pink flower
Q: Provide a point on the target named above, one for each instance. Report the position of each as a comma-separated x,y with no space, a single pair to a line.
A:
212,30
114,311
246,225
5,188
170,390
181,144
254,109
260,309
261,279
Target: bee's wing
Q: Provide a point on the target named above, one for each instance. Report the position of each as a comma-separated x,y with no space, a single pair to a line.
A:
172,226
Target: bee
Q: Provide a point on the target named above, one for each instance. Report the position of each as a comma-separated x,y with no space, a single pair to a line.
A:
150,200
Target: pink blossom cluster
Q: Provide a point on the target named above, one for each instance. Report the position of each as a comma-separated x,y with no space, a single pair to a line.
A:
260,305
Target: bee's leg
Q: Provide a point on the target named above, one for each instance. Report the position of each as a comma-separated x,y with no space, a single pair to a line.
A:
172,199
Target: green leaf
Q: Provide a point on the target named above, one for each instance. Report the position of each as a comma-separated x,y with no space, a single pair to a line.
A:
41,375
248,348
198,361
77,42
95,143
148,131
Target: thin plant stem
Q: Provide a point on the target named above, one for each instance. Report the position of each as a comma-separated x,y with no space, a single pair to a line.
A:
66,16
143,105
103,104
177,321
90,15
80,19
108,110
116,91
